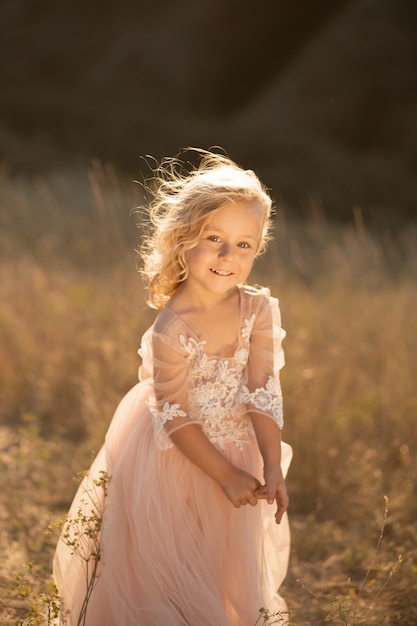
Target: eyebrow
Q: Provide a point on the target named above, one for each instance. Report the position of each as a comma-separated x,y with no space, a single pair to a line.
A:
210,228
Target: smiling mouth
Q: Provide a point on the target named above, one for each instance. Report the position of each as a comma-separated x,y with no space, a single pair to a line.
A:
220,272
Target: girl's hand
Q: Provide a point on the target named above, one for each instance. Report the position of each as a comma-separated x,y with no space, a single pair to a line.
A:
274,490
240,487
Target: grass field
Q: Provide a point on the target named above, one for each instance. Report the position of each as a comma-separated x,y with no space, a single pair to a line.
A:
72,313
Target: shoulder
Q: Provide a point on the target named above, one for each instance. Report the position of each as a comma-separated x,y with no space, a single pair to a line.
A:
256,298
258,304
164,321
254,291
167,331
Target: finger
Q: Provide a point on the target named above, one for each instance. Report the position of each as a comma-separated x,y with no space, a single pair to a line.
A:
271,490
281,508
278,516
270,495
253,500
261,492
253,479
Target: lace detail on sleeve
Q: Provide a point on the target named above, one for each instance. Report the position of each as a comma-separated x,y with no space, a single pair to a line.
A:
159,419
248,327
168,412
267,399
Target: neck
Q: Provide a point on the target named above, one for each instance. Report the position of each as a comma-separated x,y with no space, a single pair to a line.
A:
194,299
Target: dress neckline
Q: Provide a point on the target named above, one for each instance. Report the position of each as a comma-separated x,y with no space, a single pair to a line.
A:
202,342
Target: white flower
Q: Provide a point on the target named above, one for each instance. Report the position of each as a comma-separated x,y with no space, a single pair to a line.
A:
169,412
267,399
247,329
241,356
261,398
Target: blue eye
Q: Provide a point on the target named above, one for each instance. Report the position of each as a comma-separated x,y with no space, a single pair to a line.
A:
214,238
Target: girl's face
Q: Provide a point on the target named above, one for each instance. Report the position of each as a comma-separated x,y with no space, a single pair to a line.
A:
225,253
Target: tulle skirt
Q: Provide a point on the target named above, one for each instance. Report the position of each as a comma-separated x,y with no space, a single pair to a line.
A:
175,552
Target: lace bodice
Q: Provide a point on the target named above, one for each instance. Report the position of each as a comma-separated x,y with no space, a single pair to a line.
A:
218,393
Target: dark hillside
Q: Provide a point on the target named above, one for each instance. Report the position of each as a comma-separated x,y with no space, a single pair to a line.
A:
320,97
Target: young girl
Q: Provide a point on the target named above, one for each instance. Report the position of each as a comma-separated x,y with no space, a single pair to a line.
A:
194,530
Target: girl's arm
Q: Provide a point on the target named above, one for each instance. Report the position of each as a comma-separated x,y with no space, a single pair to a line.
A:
265,360
238,486
268,435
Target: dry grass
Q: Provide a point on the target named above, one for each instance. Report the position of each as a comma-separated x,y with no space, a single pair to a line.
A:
72,313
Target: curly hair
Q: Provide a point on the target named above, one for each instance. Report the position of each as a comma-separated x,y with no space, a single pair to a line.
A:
181,204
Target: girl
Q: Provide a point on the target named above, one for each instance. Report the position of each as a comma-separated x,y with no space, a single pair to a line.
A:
194,450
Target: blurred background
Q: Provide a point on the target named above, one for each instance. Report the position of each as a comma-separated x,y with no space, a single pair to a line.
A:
319,97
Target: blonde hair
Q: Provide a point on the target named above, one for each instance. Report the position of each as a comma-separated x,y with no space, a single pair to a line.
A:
181,205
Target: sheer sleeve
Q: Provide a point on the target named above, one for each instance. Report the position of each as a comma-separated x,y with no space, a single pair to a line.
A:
262,393
169,404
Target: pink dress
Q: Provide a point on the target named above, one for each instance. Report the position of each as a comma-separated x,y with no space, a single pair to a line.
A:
175,552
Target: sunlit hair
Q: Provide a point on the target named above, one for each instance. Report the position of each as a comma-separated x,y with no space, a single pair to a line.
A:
182,204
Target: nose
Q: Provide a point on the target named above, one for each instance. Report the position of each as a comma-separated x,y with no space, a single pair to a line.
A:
226,251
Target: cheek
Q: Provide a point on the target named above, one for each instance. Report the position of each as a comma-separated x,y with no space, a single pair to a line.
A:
193,255
248,263
248,258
